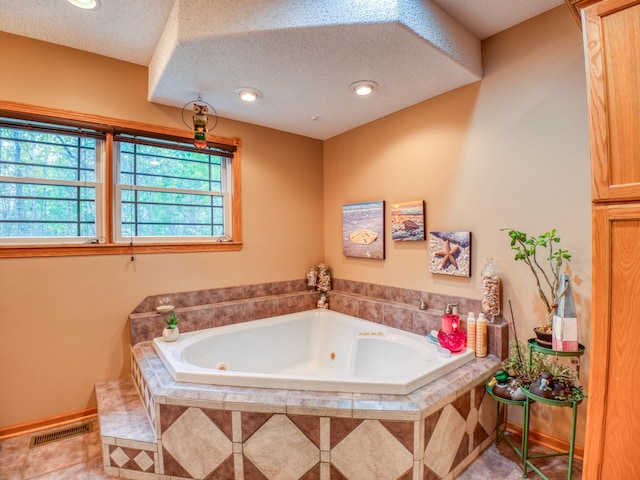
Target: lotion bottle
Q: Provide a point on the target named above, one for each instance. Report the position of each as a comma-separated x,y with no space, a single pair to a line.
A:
471,331
481,336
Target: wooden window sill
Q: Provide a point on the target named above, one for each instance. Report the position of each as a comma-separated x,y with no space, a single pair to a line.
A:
11,251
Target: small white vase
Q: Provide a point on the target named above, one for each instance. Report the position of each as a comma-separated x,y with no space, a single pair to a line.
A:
170,334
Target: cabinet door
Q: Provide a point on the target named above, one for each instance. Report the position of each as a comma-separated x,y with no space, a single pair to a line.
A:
612,448
612,42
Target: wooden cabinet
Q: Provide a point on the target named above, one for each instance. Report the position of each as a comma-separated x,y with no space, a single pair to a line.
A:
612,48
612,445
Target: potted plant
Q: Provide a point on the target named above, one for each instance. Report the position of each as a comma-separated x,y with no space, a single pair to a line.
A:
170,332
557,382
520,367
539,374
517,371
528,371
545,260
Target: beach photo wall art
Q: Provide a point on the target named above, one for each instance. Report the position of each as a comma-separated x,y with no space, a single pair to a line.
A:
408,221
450,253
363,230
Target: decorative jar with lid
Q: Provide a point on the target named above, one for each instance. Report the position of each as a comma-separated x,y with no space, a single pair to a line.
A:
490,291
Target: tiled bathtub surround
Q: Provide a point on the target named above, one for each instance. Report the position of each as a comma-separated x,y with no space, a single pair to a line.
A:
393,306
397,307
222,306
214,432
155,428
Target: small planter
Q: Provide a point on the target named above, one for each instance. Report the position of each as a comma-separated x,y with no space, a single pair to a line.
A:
546,387
576,399
170,334
544,339
508,391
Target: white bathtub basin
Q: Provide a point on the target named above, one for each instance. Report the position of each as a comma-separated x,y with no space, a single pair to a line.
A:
313,350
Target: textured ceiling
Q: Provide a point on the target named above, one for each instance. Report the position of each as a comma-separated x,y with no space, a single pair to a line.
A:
301,54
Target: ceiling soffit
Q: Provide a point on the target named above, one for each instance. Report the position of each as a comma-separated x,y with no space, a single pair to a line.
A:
284,50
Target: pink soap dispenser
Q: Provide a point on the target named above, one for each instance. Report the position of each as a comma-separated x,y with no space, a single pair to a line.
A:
450,318
450,336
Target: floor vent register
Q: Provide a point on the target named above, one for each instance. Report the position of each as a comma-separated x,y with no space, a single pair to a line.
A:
61,434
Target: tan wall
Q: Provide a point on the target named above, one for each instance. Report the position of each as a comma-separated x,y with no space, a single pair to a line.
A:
65,318
509,151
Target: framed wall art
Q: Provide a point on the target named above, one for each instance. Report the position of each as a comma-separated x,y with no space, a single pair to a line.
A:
408,221
450,253
363,230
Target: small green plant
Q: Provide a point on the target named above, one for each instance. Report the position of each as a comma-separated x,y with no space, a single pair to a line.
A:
562,373
545,263
566,377
524,368
172,321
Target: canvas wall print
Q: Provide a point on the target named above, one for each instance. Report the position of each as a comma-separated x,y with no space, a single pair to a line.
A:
408,221
363,230
450,253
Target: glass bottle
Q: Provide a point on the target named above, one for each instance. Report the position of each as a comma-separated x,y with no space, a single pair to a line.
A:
312,278
490,291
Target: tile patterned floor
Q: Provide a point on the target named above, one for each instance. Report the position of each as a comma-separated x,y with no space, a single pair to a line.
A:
80,458
75,458
502,463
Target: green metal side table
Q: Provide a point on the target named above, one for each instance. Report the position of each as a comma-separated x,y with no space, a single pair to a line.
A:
530,398
501,419
526,458
522,450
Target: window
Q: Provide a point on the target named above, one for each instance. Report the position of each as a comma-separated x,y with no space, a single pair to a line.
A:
50,183
69,187
169,190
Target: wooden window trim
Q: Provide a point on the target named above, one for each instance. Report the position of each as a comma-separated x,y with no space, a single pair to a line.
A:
15,109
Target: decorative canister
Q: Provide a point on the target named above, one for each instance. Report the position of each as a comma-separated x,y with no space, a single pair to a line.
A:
490,291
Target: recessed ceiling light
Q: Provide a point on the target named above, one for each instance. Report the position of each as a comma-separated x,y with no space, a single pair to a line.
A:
249,94
86,4
363,87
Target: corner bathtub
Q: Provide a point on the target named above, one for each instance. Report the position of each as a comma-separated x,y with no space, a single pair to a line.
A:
312,350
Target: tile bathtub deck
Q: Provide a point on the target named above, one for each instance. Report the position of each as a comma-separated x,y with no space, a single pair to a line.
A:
80,458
